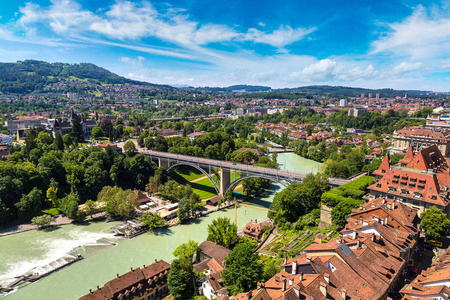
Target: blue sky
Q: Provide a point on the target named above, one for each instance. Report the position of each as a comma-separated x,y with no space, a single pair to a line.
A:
375,44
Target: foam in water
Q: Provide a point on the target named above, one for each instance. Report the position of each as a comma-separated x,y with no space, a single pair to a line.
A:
55,248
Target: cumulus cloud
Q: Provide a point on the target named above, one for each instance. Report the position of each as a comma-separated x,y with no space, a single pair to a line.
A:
320,71
359,73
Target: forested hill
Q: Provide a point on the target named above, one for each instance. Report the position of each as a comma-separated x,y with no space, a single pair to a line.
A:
31,76
337,91
241,88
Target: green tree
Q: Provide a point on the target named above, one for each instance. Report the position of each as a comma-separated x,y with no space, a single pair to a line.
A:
52,196
129,148
77,129
435,223
122,204
90,207
222,232
59,141
30,204
184,209
242,268
187,250
343,209
97,132
181,279
151,220
68,140
42,221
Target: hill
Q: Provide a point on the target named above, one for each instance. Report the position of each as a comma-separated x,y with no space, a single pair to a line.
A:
241,88
30,76
343,91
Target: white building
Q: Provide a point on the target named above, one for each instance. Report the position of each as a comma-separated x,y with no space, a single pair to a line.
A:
343,102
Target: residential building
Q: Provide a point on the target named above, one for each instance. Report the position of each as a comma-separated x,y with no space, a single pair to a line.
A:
254,229
343,102
149,282
4,138
419,180
433,283
420,138
65,127
5,150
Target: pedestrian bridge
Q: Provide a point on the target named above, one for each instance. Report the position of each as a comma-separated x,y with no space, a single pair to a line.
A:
207,167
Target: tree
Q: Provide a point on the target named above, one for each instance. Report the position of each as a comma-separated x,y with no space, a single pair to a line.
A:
242,268
181,279
68,140
30,204
187,250
435,223
59,141
42,221
343,209
90,207
52,196
129,148
222,232
97,132
77,129
184,209
151,220
122,204
69,206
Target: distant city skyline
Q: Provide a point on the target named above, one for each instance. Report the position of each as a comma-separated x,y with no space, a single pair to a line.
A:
370,44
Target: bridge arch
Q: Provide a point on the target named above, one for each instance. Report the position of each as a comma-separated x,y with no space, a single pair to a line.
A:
170,168
233,184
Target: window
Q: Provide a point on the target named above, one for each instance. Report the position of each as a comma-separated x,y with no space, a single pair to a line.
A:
411,185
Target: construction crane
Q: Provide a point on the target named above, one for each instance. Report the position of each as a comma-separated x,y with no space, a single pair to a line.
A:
236,205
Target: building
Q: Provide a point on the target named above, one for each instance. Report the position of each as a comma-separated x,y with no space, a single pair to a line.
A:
343,102
377,96
5,150
419,180
18,127
365,262
212,258
420,138
4,138
149,282
65,127
356,111
254,229
73,96
439,118
432,283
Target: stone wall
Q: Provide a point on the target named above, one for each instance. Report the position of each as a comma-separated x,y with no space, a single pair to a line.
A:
325,216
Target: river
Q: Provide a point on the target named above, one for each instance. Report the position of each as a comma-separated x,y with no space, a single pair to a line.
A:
21,252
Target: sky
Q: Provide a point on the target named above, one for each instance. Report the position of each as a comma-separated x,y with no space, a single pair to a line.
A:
284,43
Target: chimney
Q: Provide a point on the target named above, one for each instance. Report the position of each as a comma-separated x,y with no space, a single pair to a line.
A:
384,200
308,259
301,277
344,294
131,269
373,237
249,295
358,243
360,219
354,235
90,291
386,220
118,276
156,260
98,287
285,260
144,266
327,278
290,282
283,285
323,288
393,204
294,268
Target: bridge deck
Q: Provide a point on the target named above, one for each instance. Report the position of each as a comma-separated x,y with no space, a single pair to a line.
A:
280,174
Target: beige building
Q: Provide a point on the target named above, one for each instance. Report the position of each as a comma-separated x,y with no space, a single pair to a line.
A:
420,138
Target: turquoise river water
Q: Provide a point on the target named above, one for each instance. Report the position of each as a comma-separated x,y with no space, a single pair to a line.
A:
19,253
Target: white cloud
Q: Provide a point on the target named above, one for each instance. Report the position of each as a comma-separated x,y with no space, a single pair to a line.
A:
320,71
422,35
134,62
445,64
359,73
279,38
405,67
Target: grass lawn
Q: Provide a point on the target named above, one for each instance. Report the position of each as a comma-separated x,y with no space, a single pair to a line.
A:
51,211
204,188
184,174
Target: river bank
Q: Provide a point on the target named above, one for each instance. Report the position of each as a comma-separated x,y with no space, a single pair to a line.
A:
24,251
